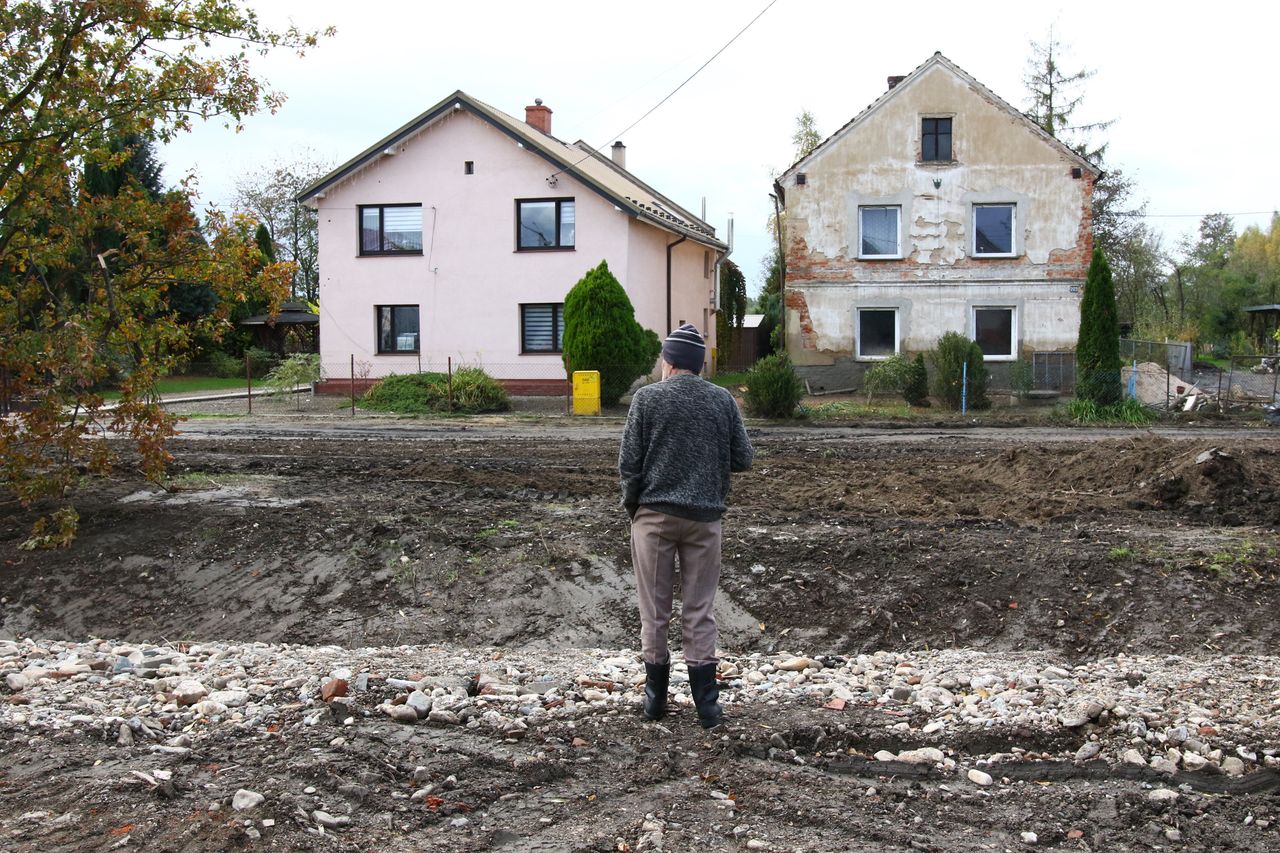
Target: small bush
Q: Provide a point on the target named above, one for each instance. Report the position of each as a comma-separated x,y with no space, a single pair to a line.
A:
261,361
224,365
952,351
773,388
916,389
301,368
1022,377
889,375
474,391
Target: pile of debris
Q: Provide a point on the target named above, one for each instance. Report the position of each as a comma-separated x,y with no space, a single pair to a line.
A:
1156,387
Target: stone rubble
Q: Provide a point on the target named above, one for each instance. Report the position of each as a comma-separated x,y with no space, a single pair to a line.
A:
1167,713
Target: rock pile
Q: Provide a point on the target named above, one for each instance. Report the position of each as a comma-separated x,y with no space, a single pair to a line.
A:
1168,714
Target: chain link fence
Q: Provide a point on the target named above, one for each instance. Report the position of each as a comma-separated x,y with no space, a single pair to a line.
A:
1250,380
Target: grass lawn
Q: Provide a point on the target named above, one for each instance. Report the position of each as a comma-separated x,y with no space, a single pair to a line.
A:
191,385
729,380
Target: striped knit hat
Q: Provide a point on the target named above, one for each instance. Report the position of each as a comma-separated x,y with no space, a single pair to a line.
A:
685,348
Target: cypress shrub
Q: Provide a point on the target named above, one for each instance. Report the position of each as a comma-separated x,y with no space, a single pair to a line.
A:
1098,344
773,388
952,351
601,333
916,389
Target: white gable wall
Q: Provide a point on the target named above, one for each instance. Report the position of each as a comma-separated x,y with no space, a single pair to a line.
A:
937,282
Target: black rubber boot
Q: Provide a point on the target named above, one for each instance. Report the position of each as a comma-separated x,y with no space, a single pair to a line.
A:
706,694
657,676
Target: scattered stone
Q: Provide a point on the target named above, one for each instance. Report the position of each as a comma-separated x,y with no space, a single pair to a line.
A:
885,755
1162,795
244,800
16,681
1030,838
1233,766
189,692
980,778
419,702
329,821
1133,756
794,664
332,689
924,755
1172,834
400,713
1194,761
1088,751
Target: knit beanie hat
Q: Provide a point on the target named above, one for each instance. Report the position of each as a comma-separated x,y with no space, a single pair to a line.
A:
685,348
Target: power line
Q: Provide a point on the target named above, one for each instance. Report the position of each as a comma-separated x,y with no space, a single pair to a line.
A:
673,91
1197,215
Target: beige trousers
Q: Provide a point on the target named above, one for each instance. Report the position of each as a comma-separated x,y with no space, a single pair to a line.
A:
656,540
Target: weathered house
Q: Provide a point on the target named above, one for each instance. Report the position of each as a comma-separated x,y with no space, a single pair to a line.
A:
938,208
458,235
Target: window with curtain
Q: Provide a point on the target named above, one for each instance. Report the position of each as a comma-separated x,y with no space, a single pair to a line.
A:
545,223
878,232
388,229
542,327
397,329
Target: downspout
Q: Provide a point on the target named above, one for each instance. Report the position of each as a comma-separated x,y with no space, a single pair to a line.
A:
671,246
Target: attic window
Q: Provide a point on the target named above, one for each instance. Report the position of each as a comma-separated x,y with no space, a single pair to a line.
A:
801,178
469,167
935,140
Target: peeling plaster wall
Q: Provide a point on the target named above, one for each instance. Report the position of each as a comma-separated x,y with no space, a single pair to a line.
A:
937,281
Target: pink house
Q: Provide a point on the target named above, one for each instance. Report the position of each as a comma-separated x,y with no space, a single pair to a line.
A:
458,235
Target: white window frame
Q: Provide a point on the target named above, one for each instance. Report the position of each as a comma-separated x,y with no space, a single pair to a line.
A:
1013,230
897,331
897,209
1013,330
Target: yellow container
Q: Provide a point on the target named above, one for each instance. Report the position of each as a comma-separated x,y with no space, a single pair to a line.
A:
586,392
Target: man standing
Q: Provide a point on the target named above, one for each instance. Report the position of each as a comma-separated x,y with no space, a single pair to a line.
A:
683,437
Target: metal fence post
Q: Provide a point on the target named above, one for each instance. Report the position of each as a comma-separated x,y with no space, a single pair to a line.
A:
248,378
964,387
450,369
353,385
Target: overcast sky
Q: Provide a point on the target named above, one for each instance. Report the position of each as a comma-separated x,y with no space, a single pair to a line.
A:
1185,83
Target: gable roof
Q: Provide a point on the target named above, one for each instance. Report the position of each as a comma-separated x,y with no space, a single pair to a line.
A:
939,60
586,165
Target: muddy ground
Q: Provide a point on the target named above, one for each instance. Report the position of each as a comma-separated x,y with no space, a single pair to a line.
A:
1081,545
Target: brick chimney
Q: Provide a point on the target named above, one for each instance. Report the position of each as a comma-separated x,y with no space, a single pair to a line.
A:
895,79
619,154
538,116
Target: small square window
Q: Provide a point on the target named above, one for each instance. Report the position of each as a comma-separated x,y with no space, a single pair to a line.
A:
935,140
993,331
878,232
397,329
545,223
469,167
391,229
993,230
877,332
542,327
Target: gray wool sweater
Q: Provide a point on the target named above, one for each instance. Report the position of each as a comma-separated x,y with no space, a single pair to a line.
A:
683,437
